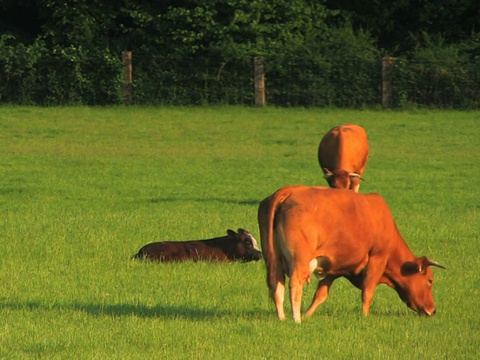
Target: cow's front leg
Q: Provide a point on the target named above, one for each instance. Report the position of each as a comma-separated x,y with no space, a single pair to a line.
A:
321,294
373,274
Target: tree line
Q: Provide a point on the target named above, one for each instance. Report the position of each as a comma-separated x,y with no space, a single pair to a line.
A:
317,52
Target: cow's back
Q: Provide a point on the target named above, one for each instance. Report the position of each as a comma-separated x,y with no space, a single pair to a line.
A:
164,251
194,250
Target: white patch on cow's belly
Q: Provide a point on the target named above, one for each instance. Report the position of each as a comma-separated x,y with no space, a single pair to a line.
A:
314,268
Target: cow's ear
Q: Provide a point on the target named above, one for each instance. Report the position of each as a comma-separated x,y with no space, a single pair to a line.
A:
231,233
410,268
418,266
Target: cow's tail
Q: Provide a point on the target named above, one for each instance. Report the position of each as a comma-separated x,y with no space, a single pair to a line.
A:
266,218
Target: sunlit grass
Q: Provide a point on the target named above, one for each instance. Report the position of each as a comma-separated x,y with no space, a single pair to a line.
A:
84,188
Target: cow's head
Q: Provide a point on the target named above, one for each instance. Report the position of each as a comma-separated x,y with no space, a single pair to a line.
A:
414,285
246,246
342,179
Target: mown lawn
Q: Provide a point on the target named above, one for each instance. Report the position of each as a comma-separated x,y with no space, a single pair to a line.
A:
83,189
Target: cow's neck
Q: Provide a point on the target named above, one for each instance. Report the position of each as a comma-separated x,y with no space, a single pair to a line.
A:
400,255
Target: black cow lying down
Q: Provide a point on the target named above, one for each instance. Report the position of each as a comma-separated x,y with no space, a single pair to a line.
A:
241,246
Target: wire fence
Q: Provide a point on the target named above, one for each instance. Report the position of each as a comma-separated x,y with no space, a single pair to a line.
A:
195,80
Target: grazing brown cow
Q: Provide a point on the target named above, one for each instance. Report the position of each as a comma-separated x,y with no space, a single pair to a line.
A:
240,246
343,154
335,233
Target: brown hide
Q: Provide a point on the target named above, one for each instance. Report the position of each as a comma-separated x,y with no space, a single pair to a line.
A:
240,246
335,233
342,155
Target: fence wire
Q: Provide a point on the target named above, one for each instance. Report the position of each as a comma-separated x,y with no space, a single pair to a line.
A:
197,80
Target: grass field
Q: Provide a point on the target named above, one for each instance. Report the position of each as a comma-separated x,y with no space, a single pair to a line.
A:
82,189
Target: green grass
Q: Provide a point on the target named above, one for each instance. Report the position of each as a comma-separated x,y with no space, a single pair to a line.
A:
83,189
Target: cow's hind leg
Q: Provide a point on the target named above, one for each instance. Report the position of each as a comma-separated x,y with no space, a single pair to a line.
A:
297,281
321,294
276,285
279,298
296,289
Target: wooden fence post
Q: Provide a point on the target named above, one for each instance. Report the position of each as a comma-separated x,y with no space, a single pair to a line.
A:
127,77
259,79
387,75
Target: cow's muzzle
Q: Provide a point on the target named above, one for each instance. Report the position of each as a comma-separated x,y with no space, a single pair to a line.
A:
257,256
428,312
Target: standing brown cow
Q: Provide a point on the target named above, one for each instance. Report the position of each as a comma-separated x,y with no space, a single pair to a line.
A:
343,154
335,233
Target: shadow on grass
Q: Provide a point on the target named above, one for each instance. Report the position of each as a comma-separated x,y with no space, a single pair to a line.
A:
170,312
139,310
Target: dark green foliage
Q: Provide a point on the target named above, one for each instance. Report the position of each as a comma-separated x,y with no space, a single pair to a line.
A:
400,26
41,75
439,74
201,52
339,68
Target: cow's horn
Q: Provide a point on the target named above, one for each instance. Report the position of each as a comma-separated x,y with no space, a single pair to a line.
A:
355,175
427,262
327,173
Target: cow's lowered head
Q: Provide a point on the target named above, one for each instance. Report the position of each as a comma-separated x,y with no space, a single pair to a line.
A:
342,179
414,286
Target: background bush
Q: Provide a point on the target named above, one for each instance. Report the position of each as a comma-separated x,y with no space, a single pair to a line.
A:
187,52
